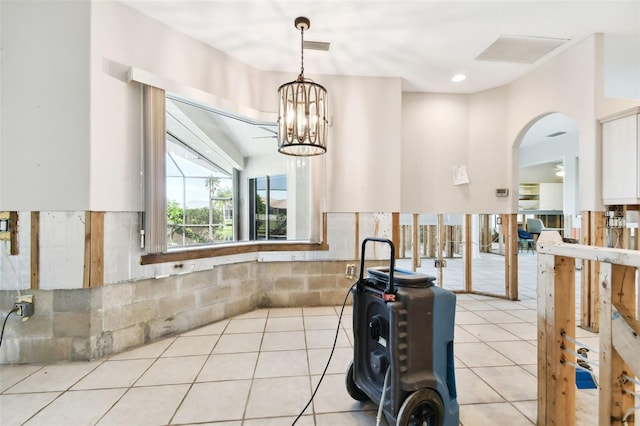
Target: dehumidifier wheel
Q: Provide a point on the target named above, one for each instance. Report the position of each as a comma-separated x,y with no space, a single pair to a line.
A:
354,391
422,408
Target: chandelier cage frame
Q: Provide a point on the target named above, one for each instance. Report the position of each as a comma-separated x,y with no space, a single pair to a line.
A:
303,111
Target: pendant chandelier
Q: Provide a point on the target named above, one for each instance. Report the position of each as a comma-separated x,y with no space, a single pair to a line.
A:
302,117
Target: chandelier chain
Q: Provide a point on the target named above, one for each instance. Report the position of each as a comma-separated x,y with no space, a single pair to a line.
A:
301,76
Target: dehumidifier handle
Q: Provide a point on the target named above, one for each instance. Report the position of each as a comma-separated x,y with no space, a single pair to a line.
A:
392,261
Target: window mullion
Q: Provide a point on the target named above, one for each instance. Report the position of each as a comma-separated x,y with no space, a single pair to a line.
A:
154,124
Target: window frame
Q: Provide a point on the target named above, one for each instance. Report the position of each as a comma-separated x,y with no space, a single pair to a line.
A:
154,223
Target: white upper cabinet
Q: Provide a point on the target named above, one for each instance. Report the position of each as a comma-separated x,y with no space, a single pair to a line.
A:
620,158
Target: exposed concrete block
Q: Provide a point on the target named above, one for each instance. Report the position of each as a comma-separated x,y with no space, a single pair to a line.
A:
333,267
101,345
77,300
118,294
211,295
195,280
153,289
128,338
234,271
333,298
169,306
305,299
276,269
321,282
306,268
275,299
290,283
71,324
80,349
42,301
161,327
38,327
10,351
244,288
44,350
118,317
237,307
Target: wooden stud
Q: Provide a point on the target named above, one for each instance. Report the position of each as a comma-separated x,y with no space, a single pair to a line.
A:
13,234
556,315
433,238
586,307
357,235
511,259
425,240
395,231
617,288
35,250
597,228
441,242
468,253
93,274
504,220
416,243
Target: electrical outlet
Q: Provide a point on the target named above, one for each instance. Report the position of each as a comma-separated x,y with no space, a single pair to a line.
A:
24,304
350,271
440,263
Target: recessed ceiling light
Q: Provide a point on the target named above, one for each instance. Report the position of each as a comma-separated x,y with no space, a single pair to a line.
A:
458,78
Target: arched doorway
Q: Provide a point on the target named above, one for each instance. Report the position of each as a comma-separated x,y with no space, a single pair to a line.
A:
547,181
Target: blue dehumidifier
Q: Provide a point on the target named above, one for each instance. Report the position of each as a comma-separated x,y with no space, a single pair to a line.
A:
403,332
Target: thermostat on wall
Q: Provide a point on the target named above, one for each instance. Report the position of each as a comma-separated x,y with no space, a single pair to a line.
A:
502,192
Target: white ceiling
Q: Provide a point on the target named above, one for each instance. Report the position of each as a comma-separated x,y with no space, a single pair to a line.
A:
423,42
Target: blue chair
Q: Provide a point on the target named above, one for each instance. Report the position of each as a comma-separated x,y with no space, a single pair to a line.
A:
525,240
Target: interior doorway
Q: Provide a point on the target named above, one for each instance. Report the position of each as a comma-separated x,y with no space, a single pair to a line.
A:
547,158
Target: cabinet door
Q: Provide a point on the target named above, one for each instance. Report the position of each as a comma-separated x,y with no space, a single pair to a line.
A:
620,159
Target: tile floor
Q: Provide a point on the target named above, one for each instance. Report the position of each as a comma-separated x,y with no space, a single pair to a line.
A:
260,368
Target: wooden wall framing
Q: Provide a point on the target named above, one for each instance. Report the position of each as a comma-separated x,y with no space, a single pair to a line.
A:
93,275
592,233
35,250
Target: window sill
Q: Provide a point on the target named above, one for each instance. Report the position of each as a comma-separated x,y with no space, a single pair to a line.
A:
231,249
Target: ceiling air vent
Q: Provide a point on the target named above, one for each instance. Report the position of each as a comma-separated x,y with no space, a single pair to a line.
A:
316,45
519,49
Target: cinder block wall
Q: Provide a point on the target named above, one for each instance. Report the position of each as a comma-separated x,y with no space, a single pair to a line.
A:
85,324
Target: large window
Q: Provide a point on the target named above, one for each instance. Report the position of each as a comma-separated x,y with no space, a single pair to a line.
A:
225,182
199,198
268,214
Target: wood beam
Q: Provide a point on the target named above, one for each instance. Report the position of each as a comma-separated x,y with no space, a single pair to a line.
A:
14,250
441,242
35,250
416,243
556,315
395,232
617,284
511,258
357,236
93,275
468,253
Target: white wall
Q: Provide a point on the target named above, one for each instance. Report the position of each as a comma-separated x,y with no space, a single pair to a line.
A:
571,83
363,160
565,148
435,137
551,197
44,140
122,38
622,65
441,131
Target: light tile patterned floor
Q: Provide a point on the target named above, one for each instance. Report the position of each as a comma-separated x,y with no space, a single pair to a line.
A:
261,368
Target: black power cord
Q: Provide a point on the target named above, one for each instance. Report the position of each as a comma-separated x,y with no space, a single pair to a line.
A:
15,309
326,367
